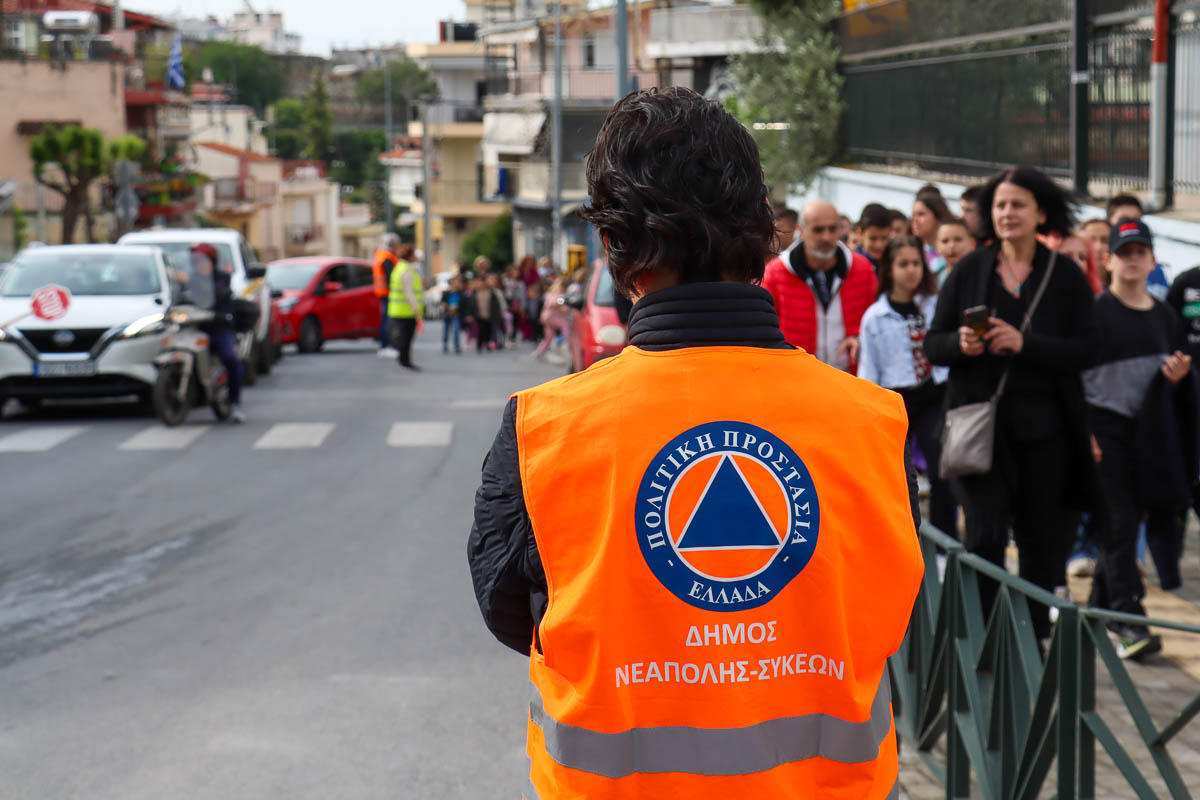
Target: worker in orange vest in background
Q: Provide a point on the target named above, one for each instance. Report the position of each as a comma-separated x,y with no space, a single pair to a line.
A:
705,544
381,270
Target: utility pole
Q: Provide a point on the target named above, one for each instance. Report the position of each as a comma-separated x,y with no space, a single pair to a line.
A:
389,225
427,192
1160,139
1080,86
622,31
556,248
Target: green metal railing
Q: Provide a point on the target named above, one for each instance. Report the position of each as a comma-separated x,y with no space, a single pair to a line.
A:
1005,710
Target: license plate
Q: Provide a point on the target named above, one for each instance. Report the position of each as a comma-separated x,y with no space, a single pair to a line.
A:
64,369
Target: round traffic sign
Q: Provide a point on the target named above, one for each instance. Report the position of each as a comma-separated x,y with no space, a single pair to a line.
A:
51,302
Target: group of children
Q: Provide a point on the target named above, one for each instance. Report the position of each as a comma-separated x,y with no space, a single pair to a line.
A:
1148,336
492,309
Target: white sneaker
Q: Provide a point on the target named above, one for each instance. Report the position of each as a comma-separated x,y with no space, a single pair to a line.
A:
237,416
387,352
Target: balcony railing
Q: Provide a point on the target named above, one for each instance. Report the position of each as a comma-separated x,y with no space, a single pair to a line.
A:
304,234
447,192
235,191
702,30
578,83
532,181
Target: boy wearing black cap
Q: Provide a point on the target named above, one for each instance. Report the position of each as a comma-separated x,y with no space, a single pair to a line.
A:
1139,343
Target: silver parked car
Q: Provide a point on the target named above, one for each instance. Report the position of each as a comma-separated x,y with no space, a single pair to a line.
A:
105,344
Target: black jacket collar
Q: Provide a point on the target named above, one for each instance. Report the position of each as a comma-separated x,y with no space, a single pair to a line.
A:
723,313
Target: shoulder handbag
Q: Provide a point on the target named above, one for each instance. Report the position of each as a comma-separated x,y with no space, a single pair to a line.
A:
969,432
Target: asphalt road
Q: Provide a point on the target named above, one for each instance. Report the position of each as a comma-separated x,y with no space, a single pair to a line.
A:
275,610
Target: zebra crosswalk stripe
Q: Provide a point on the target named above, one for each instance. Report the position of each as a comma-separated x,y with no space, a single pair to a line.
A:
160,437
420,434
39,439
294,436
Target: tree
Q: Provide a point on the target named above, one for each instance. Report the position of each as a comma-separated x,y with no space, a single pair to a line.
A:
409,83
256,79
493,240
354,154
67,159
791,89
318,121
289,113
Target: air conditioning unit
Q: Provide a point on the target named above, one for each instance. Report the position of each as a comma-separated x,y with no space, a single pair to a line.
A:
76,22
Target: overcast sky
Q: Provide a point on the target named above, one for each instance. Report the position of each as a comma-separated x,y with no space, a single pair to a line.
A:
322,24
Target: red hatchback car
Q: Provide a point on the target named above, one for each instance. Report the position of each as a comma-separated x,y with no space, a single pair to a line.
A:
596,329
324,298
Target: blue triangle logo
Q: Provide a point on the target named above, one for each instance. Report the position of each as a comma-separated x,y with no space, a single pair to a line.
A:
728,515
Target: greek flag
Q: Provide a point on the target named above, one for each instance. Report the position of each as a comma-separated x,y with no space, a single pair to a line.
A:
175,64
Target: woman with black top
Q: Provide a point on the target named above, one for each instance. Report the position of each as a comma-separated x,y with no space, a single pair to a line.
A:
1042,454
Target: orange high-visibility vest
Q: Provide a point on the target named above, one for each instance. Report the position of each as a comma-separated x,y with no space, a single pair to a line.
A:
730,556
382,255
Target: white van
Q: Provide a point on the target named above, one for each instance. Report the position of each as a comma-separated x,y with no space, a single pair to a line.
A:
258,353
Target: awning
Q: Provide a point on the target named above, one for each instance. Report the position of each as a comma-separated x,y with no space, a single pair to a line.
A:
513,132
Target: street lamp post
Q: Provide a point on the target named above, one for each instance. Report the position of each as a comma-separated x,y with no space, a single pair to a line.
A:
390,225
556,248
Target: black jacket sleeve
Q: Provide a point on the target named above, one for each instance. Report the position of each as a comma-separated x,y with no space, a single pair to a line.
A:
510,583
1073,352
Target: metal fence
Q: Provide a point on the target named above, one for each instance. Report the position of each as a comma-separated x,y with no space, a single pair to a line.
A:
974,87
1187,108
974,111
1010,719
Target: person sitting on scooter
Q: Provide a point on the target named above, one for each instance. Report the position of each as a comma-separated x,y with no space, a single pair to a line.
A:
209,287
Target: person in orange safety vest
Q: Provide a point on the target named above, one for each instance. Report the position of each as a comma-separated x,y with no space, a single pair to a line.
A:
704,544
381,271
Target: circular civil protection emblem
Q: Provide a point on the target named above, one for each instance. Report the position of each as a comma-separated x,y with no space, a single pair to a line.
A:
726,516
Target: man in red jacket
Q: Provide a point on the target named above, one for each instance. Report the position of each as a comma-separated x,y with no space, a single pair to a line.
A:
821,289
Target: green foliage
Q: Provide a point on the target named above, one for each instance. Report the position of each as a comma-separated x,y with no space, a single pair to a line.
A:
289,113
288,143
20,228
356,156
127,148
793,80
410,82
256,79
318,120
66,160
494,240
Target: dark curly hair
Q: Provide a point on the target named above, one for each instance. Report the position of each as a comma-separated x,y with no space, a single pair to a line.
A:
676,186
1052,200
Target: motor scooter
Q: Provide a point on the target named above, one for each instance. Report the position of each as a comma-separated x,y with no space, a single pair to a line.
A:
189,375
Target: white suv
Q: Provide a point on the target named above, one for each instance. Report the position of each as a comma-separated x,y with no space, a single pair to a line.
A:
104,346
247,279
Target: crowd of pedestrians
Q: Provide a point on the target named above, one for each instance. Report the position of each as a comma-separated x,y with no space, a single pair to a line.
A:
1073,334
493,310
490,309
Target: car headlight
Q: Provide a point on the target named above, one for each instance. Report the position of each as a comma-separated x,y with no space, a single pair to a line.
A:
154,323
287,304
179,317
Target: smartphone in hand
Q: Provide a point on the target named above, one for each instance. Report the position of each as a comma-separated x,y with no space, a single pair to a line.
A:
976,318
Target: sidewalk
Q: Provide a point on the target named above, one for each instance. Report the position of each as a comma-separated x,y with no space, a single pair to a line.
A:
1166,684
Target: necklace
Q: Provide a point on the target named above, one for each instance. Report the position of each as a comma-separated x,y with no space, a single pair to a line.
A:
1012,274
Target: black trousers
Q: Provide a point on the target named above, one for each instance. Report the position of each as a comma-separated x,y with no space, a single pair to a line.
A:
405,331
483,334
925,419
1024,490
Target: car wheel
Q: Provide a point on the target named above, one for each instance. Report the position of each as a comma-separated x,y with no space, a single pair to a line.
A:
310,336
265,361
250,366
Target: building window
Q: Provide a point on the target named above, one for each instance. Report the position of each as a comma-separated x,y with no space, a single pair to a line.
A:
14,34
589,52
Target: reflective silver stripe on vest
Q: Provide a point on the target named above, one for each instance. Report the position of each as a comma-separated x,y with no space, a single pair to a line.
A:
717,751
